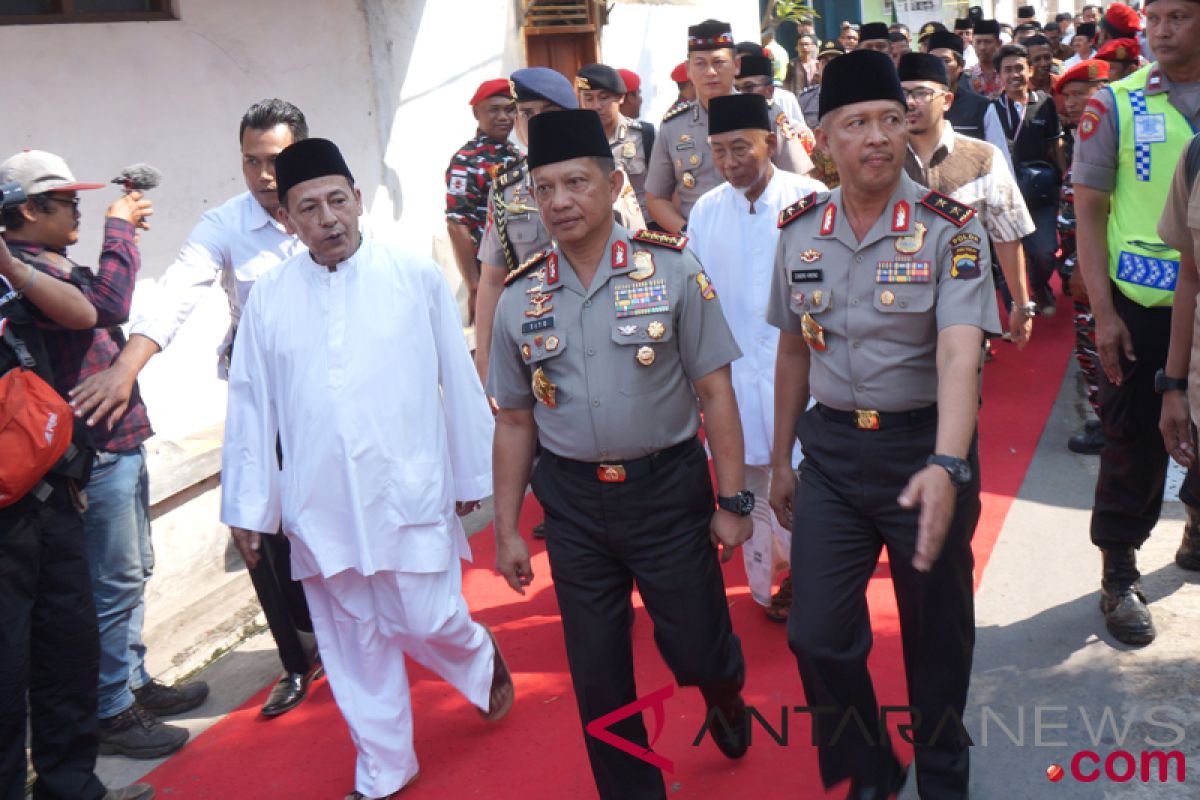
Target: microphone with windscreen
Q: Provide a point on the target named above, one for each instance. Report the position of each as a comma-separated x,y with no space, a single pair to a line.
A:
138,178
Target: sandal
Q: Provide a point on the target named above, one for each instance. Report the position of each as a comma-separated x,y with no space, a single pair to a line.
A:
781,602
502,693
357,795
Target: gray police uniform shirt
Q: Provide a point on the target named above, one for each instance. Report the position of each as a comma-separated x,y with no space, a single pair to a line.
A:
629,150
514,191
871,311
608,370
682,160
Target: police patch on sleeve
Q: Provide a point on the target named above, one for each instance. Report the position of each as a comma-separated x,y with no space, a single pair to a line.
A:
964,256
706,288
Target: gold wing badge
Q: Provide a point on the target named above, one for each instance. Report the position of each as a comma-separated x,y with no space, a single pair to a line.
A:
912,244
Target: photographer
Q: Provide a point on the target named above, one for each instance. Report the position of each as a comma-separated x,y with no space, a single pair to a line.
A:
116,520
48,634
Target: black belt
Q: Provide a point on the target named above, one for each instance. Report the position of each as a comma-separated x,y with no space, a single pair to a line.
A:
870,420
621,471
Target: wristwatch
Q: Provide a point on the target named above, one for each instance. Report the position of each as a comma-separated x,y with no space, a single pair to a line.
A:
1163,384
741,503
959,469
1030,309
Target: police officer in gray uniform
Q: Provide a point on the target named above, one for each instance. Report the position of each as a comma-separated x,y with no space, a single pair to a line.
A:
882,293
602,89
681,161
601,347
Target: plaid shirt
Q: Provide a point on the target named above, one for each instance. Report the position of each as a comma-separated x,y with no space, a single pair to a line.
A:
76,355
469,180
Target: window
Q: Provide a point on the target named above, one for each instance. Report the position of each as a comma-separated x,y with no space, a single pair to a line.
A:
32,12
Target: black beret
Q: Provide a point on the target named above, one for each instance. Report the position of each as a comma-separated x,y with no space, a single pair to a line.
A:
946,40
556,136
756,65
543,83
831,48
873,30
599,76
306,160
987,27
710,35
736,112
859,77
923,67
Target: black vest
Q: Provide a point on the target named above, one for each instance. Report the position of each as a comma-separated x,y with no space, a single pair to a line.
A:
967,112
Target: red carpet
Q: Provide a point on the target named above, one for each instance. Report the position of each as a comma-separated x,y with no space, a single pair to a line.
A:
537,752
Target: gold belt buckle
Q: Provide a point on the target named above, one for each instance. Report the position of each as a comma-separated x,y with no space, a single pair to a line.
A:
866,419
611,473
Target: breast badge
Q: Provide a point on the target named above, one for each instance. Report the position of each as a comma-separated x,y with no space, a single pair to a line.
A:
645,355
656,330
912,244
628,150
526,352
689,180
643,265
551,344
810,256
627,330
887,298
541,305
814,334
544,390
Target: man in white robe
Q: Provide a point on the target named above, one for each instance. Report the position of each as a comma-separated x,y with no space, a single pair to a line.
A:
733,230
352,354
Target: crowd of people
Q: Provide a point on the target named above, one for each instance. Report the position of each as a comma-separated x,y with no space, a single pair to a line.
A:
814,247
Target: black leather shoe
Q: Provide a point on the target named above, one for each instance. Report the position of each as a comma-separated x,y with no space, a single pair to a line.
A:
1089,441
1188,554
167,701
861,792
1125,613
290,691
730,730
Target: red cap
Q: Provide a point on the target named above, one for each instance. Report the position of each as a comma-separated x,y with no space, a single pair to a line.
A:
632,81
1122,20
496,87
1091,70
679,74
1120,50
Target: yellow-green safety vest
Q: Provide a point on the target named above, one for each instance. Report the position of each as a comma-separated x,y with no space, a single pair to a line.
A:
1151,136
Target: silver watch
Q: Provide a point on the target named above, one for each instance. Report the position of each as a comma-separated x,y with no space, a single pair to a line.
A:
1030,309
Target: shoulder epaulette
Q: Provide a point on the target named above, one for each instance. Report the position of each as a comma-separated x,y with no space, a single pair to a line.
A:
801,207
675,110
511,176
948,208
671,240
635,124
528,264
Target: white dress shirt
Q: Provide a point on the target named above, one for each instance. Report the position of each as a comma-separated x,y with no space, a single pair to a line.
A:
365,374
737,249
236,242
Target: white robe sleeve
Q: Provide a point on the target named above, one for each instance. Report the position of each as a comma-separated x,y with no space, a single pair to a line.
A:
469,421
249,467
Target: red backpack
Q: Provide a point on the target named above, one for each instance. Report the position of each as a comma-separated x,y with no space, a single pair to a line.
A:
35,424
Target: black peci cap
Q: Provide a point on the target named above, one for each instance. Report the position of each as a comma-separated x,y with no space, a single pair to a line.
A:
736,112
306,160
556,136
859,77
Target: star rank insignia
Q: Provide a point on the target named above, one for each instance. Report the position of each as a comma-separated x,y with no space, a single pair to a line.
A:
797,209
948,208
671,240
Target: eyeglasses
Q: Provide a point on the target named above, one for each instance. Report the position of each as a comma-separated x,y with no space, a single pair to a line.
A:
921,95
746,87
73,202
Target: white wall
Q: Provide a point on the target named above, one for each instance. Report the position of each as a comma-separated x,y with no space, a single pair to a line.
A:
375,76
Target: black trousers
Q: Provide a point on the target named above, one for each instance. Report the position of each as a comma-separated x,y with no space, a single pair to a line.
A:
49,648
1133,465
845,514
601,538
283,602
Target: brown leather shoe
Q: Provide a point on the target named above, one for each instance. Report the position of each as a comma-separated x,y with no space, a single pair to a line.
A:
503,693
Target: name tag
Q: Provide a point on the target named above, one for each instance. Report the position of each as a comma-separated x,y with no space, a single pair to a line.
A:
903,271
537,325
807,275
1149,128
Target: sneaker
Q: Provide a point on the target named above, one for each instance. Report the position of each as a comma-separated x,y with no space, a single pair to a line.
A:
167,701
137,791
136,733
